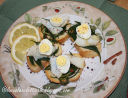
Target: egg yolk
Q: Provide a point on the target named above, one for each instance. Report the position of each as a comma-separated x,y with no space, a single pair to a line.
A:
61,60
56,19
44,48
82,29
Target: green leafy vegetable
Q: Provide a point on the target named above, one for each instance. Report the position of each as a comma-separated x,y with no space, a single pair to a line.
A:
48,67
105,25
98,21
45,58
38,62
71,53
32,60
95,49
28,18
63,31
77,22
111,32
54,53
51,86
66,91
64,80
72,72
46,32
72,31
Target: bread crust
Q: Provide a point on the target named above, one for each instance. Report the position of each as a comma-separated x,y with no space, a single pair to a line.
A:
36,68
86,52
40,33
51,77
33,68
62,38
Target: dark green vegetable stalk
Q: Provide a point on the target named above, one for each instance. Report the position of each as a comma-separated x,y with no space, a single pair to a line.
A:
93,28
48,67
46,33
62,32
95,49
44,58
32,60
38,62
53,54
72,31
64,79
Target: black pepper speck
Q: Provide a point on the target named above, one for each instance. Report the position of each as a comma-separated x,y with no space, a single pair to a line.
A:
91,69
87,67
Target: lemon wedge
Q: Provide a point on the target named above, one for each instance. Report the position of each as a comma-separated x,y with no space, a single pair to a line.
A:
20,47
23,29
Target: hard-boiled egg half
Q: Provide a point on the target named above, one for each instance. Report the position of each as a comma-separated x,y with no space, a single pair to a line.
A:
59,21
84,31
45,47
54,68
63,63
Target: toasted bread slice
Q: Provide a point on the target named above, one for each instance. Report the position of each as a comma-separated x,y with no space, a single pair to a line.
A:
86,52
33,68
61,39
51,77
36,68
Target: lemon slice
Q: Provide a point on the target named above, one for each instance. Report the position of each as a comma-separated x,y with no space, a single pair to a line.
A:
23,29
20,47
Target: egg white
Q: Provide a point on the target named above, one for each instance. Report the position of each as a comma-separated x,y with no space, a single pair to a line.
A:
66,20
61,24
53,29
56,24
81,42
48,43
77,61
54,68
86,35
64,69
34,51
